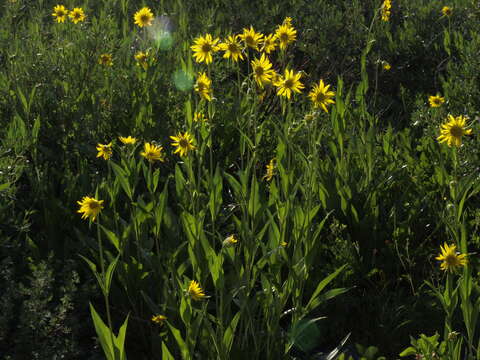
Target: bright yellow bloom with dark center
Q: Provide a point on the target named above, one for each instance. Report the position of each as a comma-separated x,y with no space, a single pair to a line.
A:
143,17
251,38
386,10
450,258
105,150
141,58
203,86
289,83
269,43
195,291
159,319
90,207
232,48
204,47
447,11
321,96
105,59
60,13
270,170
77,15
230,241
436,101
183,143
285,34
262,70
127,140
152,152
453,130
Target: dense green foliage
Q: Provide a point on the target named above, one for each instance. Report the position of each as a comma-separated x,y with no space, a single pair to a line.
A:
339,244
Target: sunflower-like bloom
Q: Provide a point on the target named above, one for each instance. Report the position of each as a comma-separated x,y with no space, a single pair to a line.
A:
436,101
141,58
127,140
321,96
203,86
204,47
159,319
105,150
453,130
447,11
105,59
450,258
286,34
262,70
183,143
90,207
232,48
77,15
251,38
269,43
143,17
270,170
153,153
195,291
289,83
386,10
60,13
230,241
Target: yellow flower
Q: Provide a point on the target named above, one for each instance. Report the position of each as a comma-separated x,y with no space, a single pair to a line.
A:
447,11
386,66
289,83
269,43
436,101
77,15
321,97
385,10
286,34
203,86
90,207
143,17
450,258
60,13
159,319
105,150
270,170
183,143
195,291
127,140
204,47
232,48
142,58
152,152
199,117
287,21
105,59
251,38
262,70
230,241
453,130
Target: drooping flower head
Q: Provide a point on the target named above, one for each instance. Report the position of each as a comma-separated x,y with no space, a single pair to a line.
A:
159,319
105,59
436,101
105,150
232,48
447,11
204,47
183,143
269,43
195,291
60,13
289,83
453,130
386,10
285,34
203,86
321,96
152,152
77,15
262,70
451,260
127,140
230,241
90,207
251,38
143,17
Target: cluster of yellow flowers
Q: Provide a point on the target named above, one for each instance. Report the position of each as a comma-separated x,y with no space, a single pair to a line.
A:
235,47
386,10
60,14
